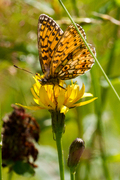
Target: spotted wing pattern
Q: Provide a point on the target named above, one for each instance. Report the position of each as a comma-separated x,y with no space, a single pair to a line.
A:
72,58
49,34
63,55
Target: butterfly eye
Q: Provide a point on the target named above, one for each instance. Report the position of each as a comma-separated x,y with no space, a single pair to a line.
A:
43,81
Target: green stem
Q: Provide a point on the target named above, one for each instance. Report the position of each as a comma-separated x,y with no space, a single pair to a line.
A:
58,126
0,146
60,154
72,175
107,79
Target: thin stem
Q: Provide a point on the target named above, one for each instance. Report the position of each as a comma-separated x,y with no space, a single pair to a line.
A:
72,175
58,123
0,146
60,154
107,79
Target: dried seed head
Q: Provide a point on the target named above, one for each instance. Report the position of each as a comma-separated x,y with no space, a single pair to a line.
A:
19,131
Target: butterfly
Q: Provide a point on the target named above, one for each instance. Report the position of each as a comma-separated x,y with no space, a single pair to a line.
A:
62,55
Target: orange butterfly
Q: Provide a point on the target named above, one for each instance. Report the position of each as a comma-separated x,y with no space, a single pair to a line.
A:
62,55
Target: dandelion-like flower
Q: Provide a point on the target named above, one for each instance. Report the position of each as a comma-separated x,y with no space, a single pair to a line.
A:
57,98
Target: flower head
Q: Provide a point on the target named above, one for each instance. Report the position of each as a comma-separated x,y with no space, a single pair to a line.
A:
19,132
55,97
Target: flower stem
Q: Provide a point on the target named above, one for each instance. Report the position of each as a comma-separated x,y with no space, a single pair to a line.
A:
58,125
107,79
72,175
60,154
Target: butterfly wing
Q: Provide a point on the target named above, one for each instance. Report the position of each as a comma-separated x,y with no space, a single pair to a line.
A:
80,62
71,58
49,34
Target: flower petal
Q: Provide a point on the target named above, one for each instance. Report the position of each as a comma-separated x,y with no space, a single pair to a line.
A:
30,107
64,109
36,88
34,94
84,102
87,95
37,101
61,99
44,98
75,95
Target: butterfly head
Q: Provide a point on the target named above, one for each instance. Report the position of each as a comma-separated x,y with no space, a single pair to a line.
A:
43,81
48,81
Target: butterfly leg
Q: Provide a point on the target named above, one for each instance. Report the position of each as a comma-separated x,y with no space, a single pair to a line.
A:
62,87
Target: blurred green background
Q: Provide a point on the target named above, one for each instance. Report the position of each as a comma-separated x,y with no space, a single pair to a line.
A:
97,123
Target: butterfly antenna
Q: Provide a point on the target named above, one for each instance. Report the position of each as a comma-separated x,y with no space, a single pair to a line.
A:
23,69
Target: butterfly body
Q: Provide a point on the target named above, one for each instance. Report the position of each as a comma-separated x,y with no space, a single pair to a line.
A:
49,80
62,55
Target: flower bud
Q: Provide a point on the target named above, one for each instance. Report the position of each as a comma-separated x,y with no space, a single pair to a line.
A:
75,151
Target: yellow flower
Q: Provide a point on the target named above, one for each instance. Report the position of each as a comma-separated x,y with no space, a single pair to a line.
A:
56,98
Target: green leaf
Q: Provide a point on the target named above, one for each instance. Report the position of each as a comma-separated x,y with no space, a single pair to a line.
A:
23,169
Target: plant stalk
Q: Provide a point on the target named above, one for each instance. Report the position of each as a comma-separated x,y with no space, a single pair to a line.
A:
72,175
60,154
58,125
107,79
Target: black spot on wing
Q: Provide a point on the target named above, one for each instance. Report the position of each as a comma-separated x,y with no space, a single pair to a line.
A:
45,58
55,62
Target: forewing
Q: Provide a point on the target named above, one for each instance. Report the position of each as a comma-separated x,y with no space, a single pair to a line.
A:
49,34
72,58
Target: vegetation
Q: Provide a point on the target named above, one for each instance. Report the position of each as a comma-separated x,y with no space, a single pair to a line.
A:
96,123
